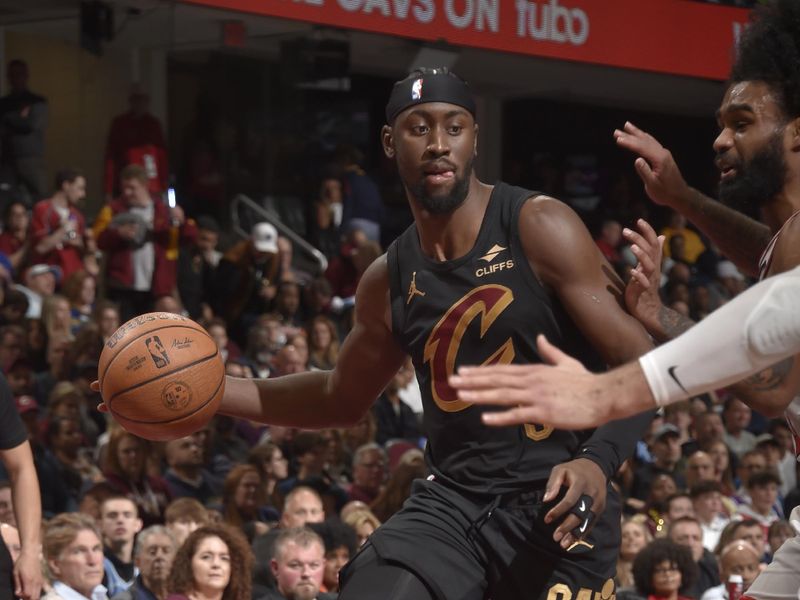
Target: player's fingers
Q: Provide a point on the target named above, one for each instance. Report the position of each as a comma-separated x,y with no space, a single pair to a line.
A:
552,355
563,533
489,378
640,278
513,416
647,231
496,395
102,407
563,507
495,369
643,257
18,587
644,170
554,483
95,386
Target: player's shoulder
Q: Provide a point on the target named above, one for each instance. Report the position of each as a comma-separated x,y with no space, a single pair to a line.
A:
548,219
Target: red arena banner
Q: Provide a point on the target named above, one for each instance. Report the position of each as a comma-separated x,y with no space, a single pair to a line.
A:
681,37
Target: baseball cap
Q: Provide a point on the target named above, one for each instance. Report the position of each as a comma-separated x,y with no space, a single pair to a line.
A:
42,268
265,237
26,404
666,429
767,438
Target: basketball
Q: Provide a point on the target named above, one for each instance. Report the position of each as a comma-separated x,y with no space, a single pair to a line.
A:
161,376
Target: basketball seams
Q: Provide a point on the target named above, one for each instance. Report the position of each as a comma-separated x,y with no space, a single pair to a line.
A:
141,335
180,417
163,375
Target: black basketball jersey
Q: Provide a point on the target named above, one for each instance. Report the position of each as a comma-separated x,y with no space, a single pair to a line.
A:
483,308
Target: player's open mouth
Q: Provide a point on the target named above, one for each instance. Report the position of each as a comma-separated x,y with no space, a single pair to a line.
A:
727,173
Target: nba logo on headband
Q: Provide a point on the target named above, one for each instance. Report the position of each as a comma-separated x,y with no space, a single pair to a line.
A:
416,90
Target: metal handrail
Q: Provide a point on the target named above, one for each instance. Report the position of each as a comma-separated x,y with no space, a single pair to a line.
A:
299,243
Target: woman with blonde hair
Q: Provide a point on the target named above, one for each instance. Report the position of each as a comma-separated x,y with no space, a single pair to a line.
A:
214,563
56,316
364,522
635,537
80,289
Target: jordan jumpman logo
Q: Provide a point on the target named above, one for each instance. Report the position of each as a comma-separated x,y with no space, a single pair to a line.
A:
412,289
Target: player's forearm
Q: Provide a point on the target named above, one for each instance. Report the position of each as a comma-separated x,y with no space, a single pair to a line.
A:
738,237
304,400
611,444
26,498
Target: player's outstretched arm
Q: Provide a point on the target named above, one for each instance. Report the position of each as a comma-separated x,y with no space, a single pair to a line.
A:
369,358
752,332
739,237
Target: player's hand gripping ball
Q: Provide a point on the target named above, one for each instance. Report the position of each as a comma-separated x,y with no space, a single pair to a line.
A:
161,376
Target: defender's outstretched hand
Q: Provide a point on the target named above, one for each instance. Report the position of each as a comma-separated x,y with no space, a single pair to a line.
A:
542,394
95,387
657,169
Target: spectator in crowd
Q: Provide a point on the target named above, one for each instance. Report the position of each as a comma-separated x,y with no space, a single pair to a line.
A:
737,558
73,552
707,427
153,554
609,241
662,488
12,345
14,307
135,138
327,214
728,283
323,343
268,458
687,532
287,303
342,272
310,451
762,487
214,563
135,233
125,470
693,246
340,546
679,415
65,441
218,330
736,416
779,430
197,264
750,463
635,536
708,509
676,506
298,566
186,476
40,282
80,290
248,272
7,504
363,522
778,533
243,499
750,531
14,241
56,317
395,420
369,463
397,490
288,271
107,318
302,505
663,571
58,227
666,452
182,517
23,116
723,469
362,206
119,524
699,467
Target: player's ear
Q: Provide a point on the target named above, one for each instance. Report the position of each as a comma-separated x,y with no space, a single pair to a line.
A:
794,134
475,143
387,141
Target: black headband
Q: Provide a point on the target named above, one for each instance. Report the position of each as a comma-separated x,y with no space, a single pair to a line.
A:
429,87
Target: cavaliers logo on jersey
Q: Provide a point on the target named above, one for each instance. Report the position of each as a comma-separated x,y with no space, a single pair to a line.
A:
486,303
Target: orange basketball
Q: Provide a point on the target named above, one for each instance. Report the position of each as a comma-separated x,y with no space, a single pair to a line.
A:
161,376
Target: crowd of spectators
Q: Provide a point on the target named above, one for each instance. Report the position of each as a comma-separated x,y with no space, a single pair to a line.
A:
241,510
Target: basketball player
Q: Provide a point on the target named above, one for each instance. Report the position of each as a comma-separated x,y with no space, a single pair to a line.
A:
758,154
508,512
